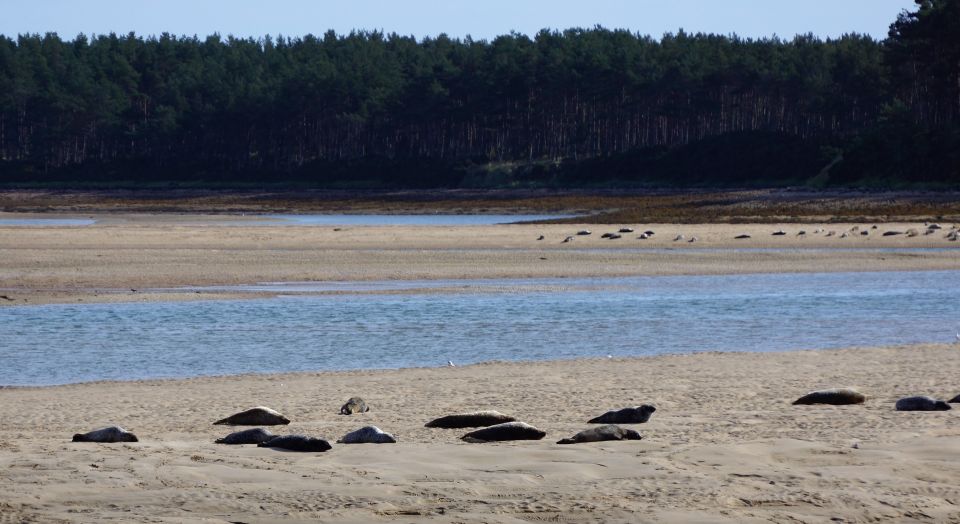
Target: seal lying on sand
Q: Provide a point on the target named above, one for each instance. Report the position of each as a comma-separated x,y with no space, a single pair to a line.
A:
477,419
258,416
505,431
354,405
921,404
602,433
954,400
296,443
835,397
107,434
247,436
634,415
367,435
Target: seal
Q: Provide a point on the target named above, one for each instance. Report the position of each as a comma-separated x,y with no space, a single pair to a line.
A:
354,405
954,400
247,436
625,230
505,431
634,415
921,403
258,416
602,433
779,233
107,434
297,443
367,435
743,236
834,397
584,232
477,419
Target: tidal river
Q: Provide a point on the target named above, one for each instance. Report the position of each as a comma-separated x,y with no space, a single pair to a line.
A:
397,324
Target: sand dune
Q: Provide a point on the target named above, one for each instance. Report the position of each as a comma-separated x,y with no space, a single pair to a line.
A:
725,445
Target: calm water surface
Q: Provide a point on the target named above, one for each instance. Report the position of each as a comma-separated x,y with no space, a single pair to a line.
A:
46,222
405,220
512,320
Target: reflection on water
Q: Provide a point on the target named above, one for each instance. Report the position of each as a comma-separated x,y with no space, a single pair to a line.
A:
583,318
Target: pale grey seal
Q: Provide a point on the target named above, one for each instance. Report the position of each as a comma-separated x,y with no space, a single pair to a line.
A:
602,433
367,435
354,405
835,397
258,416
505,431
921,403
296,443
477,419
107,434
247,436
634,415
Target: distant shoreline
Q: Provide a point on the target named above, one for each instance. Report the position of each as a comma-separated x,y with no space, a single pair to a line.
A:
600,206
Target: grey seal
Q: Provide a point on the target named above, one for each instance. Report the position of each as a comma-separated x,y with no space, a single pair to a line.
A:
258,416
297,443
584,232
743,236
625,230
354,405
634,415
368,435
477,419
247,436
606,235
505,431
779,233
954,400
892,233
107,434
921,403
602,433
834,397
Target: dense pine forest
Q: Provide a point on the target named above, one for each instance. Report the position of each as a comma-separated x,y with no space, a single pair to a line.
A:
578,108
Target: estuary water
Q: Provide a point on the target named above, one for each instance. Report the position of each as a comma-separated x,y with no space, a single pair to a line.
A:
405,220
360,327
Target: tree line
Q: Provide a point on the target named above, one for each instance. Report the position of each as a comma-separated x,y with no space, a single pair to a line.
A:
577,107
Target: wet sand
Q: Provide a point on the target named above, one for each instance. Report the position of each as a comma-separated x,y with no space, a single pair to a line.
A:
141,257
725,445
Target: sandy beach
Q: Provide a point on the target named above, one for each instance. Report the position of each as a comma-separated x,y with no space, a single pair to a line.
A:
725,445
147,257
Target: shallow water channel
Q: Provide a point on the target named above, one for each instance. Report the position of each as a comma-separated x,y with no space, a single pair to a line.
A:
372,325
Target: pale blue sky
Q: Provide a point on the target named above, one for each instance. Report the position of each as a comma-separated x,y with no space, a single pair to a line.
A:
479,18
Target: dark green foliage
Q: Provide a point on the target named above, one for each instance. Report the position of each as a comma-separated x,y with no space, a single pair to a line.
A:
572,108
